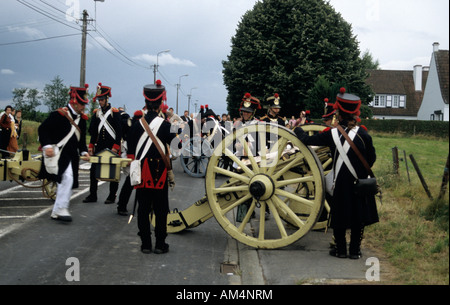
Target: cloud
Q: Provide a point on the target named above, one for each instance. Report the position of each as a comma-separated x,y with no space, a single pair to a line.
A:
30,32
104,43
7,72
405,64
165,60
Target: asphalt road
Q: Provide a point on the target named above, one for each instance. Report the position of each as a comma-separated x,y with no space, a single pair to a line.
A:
100,248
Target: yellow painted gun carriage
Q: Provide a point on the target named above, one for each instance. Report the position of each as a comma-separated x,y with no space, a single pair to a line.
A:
24,168
275,173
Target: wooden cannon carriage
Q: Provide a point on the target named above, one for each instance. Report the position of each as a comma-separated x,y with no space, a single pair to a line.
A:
278,173
23,168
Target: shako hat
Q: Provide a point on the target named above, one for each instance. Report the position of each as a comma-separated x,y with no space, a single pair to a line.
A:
249,103
79,94
329,110
155,93
348,103
102,92
274,101
209,112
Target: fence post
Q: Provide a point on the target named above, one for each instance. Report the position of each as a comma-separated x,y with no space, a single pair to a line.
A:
395,159
419,173
444,181
407,168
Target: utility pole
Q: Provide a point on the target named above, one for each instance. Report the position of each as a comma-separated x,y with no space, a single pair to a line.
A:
83,50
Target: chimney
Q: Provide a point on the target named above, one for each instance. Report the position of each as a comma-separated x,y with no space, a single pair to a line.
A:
435,46
418,77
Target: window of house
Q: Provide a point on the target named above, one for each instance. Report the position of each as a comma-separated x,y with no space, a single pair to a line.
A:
395,101
402,103
389,101
382,100
376,101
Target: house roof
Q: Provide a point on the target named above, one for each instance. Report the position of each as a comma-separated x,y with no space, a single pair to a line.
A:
442,57
397,82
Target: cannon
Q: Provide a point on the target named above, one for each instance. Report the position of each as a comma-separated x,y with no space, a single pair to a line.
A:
24,168
274,172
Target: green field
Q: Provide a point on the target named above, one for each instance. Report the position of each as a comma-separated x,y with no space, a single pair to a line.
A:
412,235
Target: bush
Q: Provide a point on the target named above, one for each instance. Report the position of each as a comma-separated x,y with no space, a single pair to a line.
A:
410,128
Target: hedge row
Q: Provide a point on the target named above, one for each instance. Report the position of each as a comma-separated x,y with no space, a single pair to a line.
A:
433,128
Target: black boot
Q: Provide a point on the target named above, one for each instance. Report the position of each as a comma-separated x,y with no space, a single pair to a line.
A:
340,249
146,246
355,242
161,248
90,198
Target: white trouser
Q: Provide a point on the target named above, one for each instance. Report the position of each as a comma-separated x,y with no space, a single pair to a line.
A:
64,190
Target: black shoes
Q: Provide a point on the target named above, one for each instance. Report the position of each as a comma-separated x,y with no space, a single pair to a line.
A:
110,199
146,249
122,212
162,249
90,199
353,253
338,253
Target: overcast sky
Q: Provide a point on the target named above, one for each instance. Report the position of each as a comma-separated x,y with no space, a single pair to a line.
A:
123,50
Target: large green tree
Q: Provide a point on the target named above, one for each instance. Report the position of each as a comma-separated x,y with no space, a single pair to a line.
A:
27,100
56,94
284,46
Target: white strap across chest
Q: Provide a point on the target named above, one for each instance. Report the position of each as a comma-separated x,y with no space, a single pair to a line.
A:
154,126
343,150
70,134
104,123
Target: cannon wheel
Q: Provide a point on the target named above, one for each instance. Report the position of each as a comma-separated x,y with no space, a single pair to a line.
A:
195,156
303,189
262,183
49,189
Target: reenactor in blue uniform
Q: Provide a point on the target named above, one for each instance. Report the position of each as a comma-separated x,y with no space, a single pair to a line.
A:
63,138
348,210
156,174
106,133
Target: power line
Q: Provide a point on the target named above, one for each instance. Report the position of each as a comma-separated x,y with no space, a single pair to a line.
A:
35,40
45,13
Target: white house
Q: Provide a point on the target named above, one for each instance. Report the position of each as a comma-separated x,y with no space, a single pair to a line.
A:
418,94
434,105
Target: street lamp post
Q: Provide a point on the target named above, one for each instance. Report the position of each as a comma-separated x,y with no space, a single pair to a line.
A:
178,88
189,99
155,67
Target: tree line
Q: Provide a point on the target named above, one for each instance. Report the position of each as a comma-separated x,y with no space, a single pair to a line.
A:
55,95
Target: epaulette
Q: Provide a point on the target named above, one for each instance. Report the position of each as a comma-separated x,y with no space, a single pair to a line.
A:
84,117
62,111
326,129
264,117
364,127
114,109
138,113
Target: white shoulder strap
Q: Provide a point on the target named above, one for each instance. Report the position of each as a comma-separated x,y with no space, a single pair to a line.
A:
343,158
70,134
154,126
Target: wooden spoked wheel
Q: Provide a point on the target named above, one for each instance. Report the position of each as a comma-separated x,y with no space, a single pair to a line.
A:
269,165
324,155
195,156
49,189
